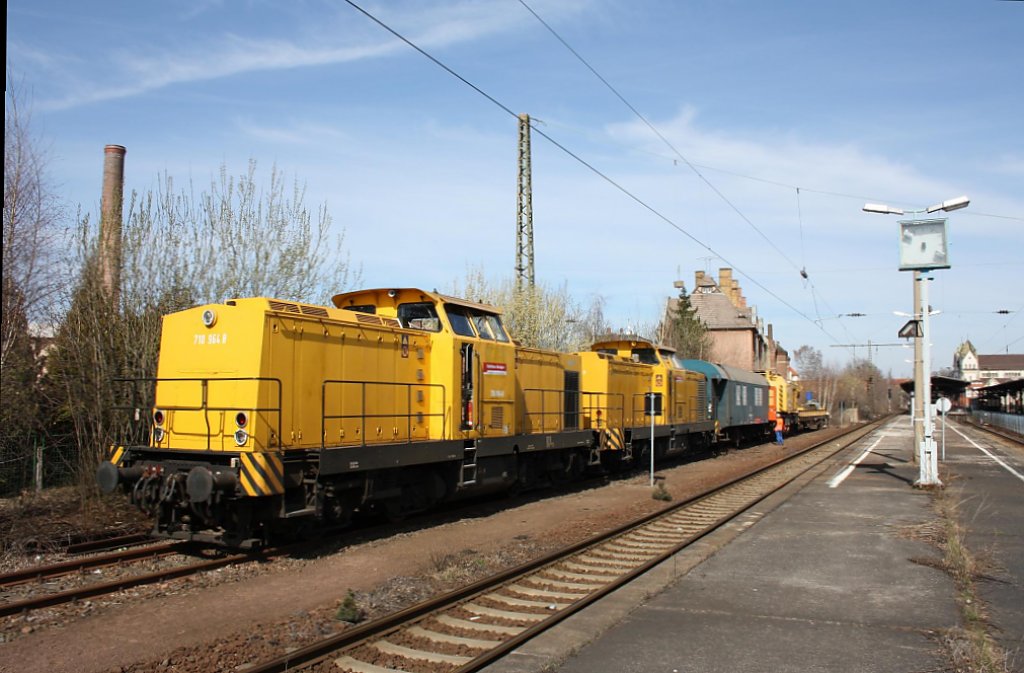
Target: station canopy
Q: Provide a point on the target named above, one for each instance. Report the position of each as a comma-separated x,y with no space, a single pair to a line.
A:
942,386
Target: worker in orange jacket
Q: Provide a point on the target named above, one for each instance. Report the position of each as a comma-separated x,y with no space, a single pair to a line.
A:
779,425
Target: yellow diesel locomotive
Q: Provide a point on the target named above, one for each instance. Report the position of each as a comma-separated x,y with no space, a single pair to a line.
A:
273,417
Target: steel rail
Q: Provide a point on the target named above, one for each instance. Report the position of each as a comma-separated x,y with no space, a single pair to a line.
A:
118,585
323,650
77,565
107,543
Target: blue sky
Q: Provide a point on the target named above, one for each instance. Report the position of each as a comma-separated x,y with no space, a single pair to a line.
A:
905,103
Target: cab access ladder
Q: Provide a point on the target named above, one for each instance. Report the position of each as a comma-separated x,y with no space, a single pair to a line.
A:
468,476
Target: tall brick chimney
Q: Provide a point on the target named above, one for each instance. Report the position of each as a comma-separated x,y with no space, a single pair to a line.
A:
112,212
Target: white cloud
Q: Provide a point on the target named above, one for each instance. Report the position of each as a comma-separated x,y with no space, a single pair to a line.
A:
344,37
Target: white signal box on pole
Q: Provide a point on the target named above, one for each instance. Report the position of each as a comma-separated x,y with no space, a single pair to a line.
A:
923,245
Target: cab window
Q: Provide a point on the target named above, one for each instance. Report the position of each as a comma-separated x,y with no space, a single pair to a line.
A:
459,319
480,322
494,323
647,356
419,315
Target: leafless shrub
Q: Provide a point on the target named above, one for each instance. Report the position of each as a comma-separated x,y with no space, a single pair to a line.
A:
179,249
539,316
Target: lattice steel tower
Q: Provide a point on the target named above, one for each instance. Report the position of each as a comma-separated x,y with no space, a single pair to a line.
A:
524,209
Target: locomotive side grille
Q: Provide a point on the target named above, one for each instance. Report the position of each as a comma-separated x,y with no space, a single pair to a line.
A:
497,416
368,318
318,311
284,306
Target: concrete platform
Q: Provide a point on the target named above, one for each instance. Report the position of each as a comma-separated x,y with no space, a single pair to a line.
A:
988,473
821,577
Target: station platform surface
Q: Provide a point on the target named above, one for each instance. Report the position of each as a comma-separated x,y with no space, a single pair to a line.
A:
831,574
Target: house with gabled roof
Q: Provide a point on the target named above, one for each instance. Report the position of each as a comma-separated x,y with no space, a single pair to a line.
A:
986,370
739,335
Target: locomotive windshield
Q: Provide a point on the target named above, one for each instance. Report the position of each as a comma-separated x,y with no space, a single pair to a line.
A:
467,322
489,327
419,315
647,356
459,318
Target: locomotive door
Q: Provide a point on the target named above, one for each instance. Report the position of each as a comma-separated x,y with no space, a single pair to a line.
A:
466,386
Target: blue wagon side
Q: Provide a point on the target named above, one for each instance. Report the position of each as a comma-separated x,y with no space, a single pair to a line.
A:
740,401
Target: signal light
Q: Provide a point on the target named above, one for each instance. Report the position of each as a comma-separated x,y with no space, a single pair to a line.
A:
241,419
158,417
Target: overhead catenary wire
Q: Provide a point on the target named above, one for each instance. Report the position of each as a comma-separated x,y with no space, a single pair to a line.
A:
590,166
803,188
665,140
802,270
800,221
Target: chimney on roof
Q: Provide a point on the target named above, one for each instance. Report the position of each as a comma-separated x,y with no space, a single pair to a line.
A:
741,301
697,278
725,284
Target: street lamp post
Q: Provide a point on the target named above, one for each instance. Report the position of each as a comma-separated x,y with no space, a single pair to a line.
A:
922,250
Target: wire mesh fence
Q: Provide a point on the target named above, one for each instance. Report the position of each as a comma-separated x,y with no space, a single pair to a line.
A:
37,461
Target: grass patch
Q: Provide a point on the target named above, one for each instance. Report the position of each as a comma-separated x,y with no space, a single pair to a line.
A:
970,648
349,610
661,493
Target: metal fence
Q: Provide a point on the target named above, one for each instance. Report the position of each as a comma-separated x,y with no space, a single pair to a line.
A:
1012,422
30,461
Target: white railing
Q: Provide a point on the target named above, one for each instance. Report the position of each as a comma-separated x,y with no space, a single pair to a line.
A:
1012,422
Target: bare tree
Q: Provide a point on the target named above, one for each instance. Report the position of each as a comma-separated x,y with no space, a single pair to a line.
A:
539,316
235,239
815,376
32,215
179,249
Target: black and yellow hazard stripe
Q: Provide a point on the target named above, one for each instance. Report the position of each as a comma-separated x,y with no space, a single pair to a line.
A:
114,454
262,474
613,440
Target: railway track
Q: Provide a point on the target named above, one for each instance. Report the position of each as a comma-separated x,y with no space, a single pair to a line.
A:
50,584
103,544
472,627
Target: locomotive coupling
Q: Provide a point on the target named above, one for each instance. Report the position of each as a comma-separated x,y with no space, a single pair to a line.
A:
108,476
202,483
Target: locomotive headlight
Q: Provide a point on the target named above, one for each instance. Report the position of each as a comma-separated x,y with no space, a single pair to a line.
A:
241,419
209,317
158,435
241,437
159,417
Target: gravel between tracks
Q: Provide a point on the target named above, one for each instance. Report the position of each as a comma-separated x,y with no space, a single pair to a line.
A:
223,620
